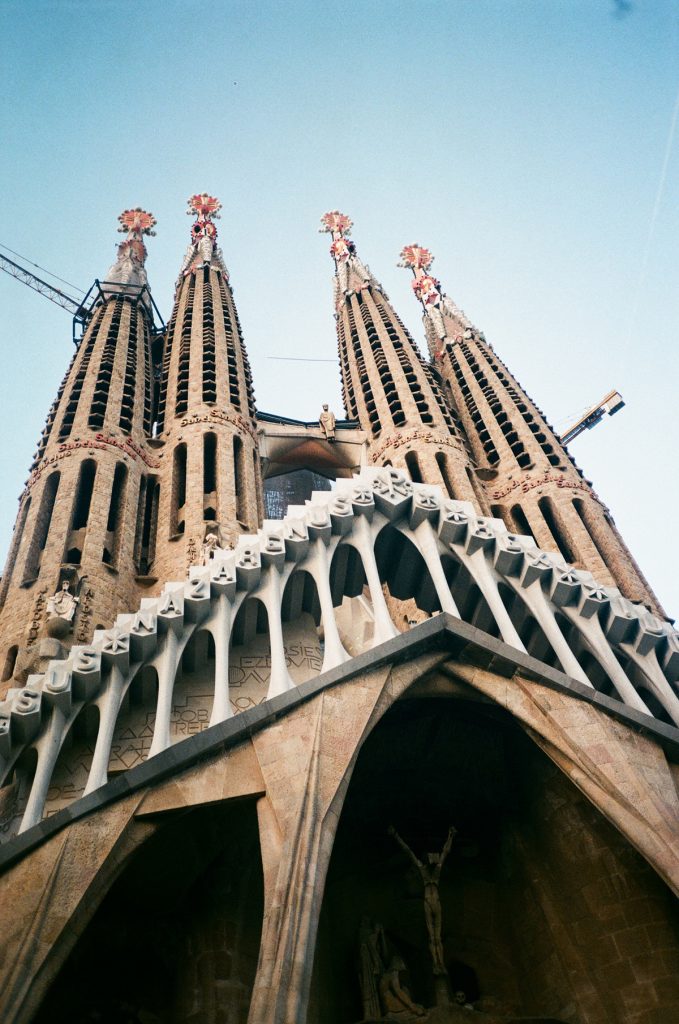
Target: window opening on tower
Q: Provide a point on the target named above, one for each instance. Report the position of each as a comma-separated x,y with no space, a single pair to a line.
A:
257,476
167,359
231,357
509,383
41,527
14,550
239,480
52,414
113,531
348,394
151,387
182,399
437,391
85,353
178,520
131,366
523,527
139,526
210,477
549,514
413,464
10,663
103,382
81,510
482,431
362,373
411,377
147,524
381,363
499,512
594,532
209,361
442,462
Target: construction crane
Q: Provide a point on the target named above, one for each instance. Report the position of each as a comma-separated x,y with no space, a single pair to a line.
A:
612,403
75,306
83,308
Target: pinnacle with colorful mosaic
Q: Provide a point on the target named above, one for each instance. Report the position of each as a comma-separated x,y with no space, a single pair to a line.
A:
426,288
135,223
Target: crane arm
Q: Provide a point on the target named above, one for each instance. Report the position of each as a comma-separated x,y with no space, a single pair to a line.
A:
40,286
609,405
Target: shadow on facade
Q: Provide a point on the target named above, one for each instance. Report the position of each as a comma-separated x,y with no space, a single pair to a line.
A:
547,912
177,937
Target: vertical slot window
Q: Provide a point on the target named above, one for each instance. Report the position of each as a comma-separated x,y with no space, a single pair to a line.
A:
14,550
239,480
444,469
42,527
210,477
113,524
546,506
522,525
81,512
413,464
178,521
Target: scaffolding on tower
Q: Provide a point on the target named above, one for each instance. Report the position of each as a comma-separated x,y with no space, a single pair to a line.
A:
82,308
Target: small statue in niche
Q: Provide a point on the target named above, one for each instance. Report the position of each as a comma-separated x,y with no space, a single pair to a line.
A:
210,545
61,609
395,997
373,955
327,422
430,873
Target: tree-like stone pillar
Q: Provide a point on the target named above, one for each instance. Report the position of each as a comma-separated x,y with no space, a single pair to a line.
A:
306,762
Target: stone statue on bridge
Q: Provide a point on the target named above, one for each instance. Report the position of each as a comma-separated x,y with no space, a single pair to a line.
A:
327,422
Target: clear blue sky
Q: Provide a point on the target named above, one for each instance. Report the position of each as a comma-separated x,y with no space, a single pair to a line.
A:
523,142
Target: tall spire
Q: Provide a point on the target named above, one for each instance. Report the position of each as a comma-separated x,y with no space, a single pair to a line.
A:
530,479
78,514
387,386
211,476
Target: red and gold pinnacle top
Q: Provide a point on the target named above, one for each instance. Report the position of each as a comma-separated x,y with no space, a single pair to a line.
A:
427,288
205,208
339,226
442,317
135,223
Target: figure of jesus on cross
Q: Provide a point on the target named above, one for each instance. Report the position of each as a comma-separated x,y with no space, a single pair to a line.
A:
430,873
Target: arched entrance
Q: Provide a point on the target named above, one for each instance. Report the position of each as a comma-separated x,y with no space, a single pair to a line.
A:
546,909
177,936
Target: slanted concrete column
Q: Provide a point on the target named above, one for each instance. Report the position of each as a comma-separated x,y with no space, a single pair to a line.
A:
306,762
221,634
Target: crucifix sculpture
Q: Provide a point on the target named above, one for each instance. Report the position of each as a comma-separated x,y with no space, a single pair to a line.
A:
430,873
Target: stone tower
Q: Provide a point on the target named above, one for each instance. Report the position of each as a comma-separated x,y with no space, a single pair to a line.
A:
531,481
386,384
77,523
210,480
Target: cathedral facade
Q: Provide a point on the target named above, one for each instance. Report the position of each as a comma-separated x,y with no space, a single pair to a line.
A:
363,719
